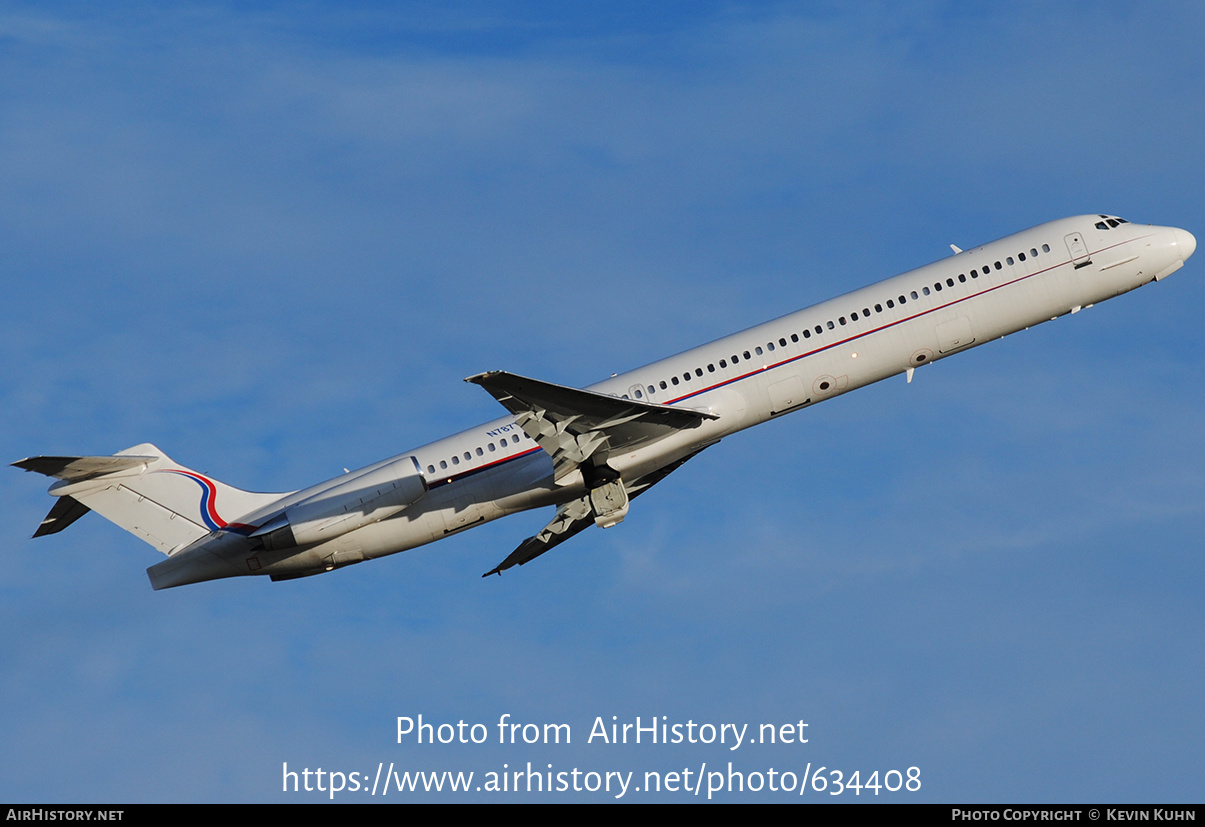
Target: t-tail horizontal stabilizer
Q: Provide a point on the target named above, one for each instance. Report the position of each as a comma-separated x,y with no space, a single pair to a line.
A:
63,513
143,491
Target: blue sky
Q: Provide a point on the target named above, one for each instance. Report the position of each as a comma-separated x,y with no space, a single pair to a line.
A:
272,240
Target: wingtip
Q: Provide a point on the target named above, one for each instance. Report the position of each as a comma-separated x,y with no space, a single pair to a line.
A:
479,378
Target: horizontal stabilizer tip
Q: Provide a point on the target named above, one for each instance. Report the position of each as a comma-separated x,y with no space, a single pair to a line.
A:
77,469
64,512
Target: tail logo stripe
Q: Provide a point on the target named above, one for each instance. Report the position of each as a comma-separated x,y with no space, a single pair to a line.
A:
209,496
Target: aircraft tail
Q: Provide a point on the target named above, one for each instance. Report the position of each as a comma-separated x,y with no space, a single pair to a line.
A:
142,490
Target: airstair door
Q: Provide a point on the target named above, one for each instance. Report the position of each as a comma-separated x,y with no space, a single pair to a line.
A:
1078,250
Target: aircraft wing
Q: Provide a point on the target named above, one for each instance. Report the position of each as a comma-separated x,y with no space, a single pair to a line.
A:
573,425
574,517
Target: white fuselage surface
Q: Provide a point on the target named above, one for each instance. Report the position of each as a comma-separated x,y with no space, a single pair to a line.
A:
589,451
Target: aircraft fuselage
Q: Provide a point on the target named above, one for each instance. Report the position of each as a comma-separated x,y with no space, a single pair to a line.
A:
889,328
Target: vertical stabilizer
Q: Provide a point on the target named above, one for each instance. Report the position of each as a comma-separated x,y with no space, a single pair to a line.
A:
142,490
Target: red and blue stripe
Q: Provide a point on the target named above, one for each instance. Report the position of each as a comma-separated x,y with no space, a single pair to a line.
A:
209,497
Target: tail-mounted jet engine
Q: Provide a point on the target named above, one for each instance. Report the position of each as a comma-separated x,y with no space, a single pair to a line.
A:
352,503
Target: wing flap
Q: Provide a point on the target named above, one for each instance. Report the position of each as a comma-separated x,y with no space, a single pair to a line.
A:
577,426
571,518
574,517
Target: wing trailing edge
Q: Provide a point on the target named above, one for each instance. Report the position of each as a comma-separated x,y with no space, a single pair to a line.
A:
575,516
579,427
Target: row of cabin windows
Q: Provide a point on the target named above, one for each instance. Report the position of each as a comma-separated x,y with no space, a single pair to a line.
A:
782,342
841,320
468,455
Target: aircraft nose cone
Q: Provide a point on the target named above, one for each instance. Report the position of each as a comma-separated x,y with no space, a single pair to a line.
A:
1186,243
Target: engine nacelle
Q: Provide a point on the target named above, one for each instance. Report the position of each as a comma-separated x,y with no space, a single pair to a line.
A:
353,502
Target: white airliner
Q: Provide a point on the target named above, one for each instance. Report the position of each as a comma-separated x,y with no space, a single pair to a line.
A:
589,452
